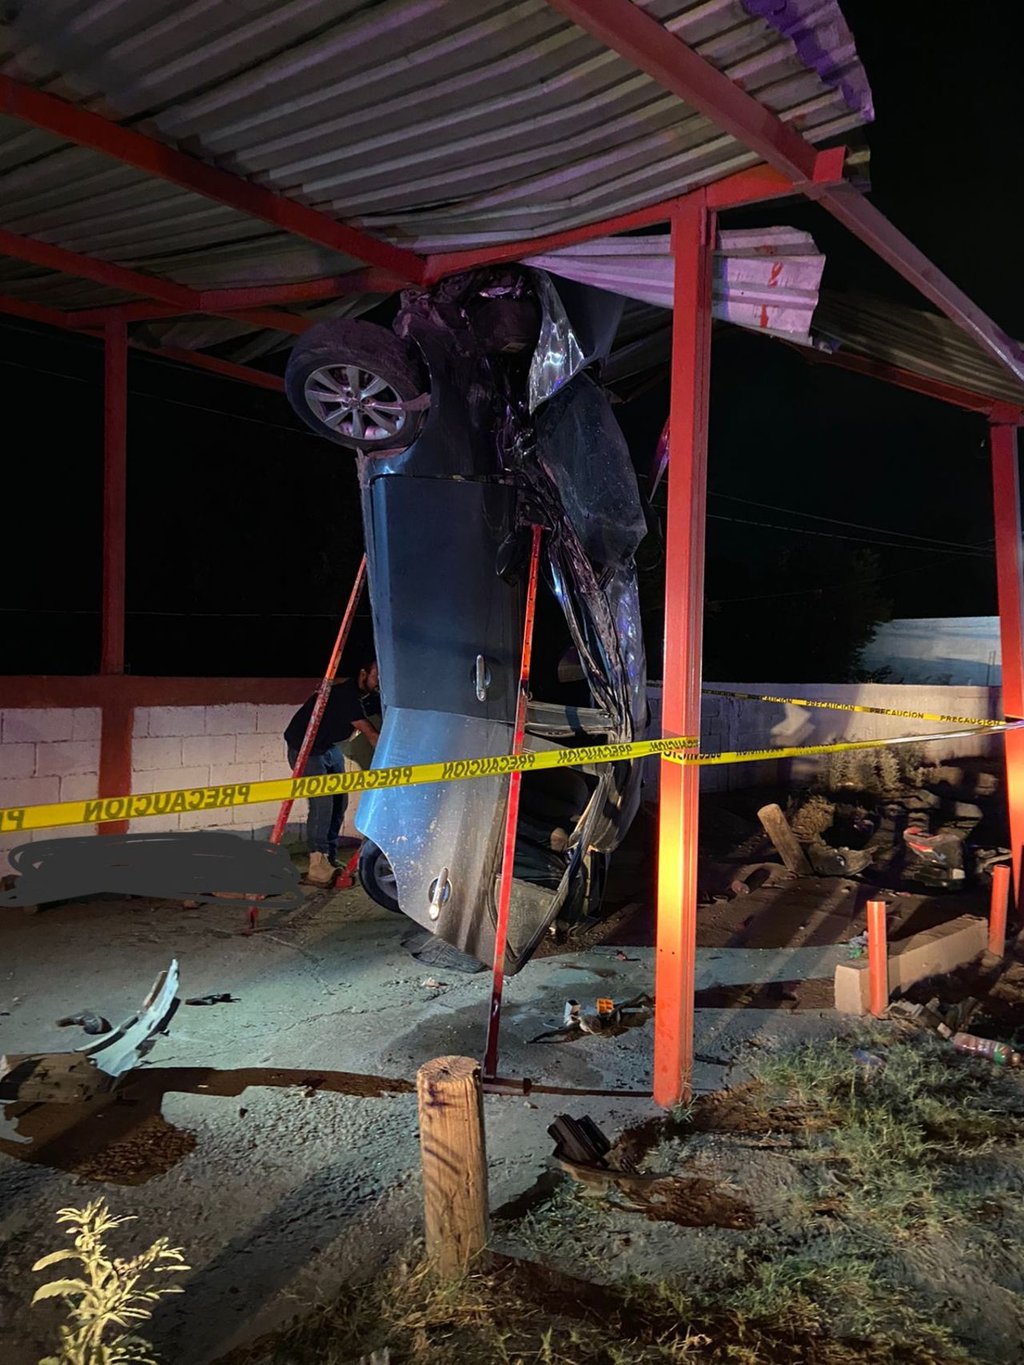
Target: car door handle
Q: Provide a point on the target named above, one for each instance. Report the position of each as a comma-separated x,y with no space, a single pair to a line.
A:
483,678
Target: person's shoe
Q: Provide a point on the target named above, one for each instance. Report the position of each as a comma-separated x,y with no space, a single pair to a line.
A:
320,872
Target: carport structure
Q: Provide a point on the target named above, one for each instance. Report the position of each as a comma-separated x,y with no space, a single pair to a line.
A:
205,179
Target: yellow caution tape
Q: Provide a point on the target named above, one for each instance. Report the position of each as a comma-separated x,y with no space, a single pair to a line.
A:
863,710
180,800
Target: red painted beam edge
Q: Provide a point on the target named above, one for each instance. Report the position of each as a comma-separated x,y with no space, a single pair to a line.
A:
87,129
58,690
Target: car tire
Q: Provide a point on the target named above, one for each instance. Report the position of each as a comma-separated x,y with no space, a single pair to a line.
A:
377,878
335,359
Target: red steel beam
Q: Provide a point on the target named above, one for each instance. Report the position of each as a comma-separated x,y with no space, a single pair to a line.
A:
115,494
87,129
116,728
179,297
753,186
649,46
693,235
944,392
53,317
227,369
34,312
1006,494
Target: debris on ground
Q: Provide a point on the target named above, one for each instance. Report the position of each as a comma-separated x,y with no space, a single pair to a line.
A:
71,1077
224,998
87,1020
431,983
785,841
604,1017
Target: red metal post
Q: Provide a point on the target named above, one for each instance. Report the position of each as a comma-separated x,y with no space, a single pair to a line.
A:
1006,492
878,959
693,235
1001,877
115,494
118,717
508,856
322,693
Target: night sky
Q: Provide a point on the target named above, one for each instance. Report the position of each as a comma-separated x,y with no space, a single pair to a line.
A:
244,529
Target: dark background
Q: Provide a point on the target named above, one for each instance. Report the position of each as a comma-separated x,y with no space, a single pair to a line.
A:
244,530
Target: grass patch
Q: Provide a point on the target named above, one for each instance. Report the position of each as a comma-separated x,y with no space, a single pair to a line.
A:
520,1313
896,1140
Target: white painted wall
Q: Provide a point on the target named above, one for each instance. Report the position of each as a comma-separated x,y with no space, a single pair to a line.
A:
53,754
947,650
47,755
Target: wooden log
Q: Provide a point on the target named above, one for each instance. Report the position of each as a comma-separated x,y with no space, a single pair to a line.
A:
776,826
454,1159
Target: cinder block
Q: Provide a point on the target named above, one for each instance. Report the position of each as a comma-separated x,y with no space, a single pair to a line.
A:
154,824
170,779
933,952
140,722
237,718
272,770
150,754
71,756
17,760
32,725
205,819
273,720
211,749
223,773
29,791
177,720
86,723
257,749
79,787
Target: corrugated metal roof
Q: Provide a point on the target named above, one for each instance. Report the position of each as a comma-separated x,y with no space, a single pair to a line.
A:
922,342
439,124
908,338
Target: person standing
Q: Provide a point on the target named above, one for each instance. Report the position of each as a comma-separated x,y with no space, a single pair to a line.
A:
346,712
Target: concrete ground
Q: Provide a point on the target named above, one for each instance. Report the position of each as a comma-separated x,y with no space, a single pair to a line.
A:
256,1136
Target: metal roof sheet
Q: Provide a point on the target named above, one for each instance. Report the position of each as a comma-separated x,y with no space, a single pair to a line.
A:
434,123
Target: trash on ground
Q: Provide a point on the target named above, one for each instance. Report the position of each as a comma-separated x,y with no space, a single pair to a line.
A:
605,1016
431,983
869,1060
224,998
858,945
87,1020
972,1046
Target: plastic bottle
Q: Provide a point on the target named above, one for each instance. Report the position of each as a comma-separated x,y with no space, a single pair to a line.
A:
1000,1053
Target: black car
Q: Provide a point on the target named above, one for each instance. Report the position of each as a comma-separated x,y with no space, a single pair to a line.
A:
478,415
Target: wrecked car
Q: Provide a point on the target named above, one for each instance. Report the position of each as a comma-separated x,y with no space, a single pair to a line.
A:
479,414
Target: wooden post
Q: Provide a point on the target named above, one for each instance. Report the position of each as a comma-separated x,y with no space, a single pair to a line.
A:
776,826
454,1158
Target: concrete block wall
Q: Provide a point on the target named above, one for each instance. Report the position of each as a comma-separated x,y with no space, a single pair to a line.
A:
728,725
46,755
53,754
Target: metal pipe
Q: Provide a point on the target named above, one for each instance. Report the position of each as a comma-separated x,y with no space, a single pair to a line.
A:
693,235
322,693
878,959
508,856
1002,874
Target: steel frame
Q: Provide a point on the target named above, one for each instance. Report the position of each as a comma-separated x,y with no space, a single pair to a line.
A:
693,230
1009,526
793,167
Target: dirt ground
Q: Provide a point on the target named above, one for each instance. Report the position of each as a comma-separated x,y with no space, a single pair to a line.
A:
274,1138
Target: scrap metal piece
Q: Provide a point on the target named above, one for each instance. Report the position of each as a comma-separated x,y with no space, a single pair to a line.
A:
124,1046
73,1077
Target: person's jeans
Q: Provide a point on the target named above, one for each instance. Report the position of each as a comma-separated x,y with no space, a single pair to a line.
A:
326,813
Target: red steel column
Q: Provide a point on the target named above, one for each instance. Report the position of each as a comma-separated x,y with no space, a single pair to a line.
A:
1006,488
116,735
115,495
693,230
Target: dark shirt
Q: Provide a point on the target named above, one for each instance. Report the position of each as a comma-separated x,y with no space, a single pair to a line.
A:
344,707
